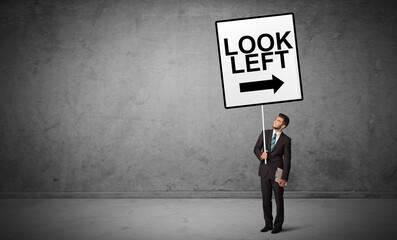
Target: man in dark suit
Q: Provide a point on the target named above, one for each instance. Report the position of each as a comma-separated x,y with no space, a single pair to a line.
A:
277,155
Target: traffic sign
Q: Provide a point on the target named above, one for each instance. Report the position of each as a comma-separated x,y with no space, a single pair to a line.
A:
259,60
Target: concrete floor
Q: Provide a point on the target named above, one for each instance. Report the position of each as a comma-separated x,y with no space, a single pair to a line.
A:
202,219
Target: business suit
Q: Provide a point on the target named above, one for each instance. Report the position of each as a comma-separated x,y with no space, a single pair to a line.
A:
279,157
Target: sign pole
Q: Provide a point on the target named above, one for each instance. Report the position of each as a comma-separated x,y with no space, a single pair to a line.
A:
264,137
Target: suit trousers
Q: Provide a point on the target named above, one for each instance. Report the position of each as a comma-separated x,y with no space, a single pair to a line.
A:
267,185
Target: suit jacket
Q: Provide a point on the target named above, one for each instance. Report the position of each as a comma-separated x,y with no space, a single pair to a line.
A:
279,157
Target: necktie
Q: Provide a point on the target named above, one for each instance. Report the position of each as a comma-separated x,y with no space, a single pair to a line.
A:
273,142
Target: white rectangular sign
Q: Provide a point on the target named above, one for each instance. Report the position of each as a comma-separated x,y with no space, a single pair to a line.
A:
259,60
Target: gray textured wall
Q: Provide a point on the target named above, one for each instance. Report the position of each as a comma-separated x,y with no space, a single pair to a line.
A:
127,96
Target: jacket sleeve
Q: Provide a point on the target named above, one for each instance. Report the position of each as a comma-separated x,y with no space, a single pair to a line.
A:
258,147
287,160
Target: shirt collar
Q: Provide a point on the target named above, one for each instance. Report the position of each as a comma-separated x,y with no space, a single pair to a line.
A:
278,133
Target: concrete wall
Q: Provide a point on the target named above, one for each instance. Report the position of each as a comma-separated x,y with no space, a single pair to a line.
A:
127,96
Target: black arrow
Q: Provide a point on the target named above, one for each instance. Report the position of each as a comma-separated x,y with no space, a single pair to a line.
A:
274,84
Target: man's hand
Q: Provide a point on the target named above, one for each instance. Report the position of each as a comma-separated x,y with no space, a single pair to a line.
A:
264,155
282,183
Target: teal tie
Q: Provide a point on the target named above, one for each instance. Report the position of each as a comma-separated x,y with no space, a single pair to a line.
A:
273,142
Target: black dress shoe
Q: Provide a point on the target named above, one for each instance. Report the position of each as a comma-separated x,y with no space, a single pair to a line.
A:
277,229
266,228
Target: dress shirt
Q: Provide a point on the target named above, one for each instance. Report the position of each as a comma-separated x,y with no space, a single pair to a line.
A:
277,136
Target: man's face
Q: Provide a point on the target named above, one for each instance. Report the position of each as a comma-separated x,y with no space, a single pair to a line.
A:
278,123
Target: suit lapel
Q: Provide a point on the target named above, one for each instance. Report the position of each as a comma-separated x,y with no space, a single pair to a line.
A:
268,139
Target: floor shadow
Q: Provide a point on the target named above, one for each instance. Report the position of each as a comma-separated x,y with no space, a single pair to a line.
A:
292,228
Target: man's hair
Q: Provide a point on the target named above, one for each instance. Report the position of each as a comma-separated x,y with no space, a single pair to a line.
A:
285,119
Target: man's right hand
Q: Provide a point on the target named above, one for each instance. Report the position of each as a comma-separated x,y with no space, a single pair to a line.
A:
264,155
